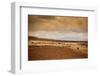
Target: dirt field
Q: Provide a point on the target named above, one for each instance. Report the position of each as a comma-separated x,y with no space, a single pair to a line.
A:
56,52
46,49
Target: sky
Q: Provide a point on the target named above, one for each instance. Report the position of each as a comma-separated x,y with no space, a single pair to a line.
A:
58,27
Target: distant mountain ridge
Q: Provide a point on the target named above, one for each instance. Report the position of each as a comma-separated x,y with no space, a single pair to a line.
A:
45,39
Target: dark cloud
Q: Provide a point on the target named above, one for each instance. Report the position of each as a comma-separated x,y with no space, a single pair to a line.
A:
58,27
57,23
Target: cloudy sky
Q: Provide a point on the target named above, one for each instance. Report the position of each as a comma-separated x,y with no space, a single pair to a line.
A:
58,27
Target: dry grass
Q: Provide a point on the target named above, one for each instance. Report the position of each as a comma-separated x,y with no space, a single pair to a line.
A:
55,52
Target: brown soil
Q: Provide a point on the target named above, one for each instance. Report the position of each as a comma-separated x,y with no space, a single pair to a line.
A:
52,53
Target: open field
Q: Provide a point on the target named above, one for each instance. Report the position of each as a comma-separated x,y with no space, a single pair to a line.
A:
44,49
